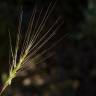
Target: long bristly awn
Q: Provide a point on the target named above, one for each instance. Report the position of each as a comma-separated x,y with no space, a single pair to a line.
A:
34,40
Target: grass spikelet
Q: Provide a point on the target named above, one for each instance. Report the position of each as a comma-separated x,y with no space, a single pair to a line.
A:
32,43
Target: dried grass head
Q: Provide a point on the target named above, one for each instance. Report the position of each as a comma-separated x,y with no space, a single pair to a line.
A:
30,45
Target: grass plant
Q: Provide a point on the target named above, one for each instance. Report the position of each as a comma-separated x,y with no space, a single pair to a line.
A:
28,46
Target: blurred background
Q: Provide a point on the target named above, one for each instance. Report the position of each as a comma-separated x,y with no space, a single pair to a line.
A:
71,70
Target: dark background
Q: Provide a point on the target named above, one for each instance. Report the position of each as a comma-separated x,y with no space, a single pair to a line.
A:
71,71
